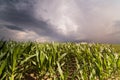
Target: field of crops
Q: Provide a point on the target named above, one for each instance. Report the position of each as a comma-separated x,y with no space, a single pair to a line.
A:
58,61
116,47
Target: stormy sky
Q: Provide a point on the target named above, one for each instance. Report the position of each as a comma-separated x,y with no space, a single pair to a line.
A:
60,20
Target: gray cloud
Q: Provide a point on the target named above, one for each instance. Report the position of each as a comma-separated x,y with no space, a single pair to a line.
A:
116,29
27,21
63,20
117,24
12,27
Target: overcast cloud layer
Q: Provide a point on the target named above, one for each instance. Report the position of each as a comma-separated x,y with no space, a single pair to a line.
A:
60,20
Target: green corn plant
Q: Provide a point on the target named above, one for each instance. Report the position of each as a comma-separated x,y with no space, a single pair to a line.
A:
60,71
56,60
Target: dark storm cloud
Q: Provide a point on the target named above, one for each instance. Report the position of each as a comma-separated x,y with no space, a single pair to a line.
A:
60,20
13,27
5,33
16,15
26,20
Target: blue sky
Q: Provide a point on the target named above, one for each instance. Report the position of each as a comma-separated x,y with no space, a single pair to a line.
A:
60,20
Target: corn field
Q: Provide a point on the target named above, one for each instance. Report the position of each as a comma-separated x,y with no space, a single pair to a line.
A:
58,61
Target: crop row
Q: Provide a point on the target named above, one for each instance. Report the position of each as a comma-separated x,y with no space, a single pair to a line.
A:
58,61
